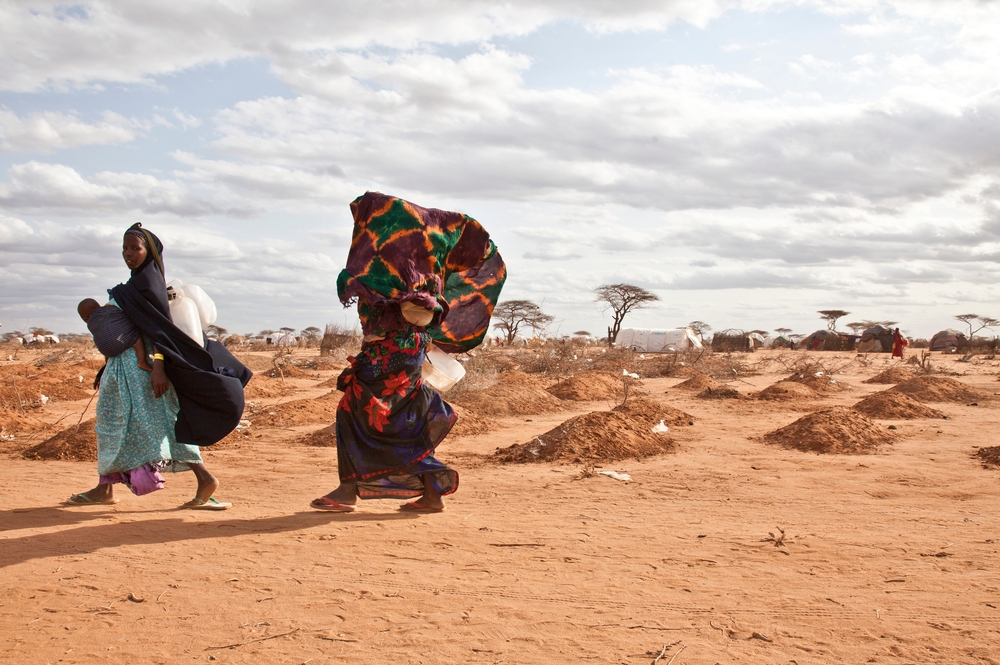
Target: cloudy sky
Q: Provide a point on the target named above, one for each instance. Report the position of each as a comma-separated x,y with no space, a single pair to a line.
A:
750,162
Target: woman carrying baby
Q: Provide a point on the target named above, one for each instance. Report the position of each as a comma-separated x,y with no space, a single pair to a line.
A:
146,414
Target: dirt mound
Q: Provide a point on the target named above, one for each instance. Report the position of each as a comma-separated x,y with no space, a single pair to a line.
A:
13,422
722,392
322,409
515,394
817,379
937,389
989,457
261,387
70,444
889,405
699,383
598,437
471,424
60,383
892,375
647,410
323,438
289,372
257,362
838,430
588,387
787,390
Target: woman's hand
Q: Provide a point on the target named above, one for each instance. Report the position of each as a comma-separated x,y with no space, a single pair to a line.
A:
160,382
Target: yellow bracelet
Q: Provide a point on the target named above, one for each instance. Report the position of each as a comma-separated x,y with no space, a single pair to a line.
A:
157,356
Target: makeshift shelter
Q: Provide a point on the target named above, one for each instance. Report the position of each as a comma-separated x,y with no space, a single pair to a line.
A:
823,340
658,340
777,342
757,340
949,340
731,341
283,340
876,339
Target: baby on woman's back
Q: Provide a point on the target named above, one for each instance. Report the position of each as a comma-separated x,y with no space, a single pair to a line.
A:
113,331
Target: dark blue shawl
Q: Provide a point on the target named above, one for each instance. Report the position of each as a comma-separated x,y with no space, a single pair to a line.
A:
208,379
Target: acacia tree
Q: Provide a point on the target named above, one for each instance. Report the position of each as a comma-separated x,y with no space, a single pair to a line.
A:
700,328
831,316
215,332
622,299
857,326
983,321
511,315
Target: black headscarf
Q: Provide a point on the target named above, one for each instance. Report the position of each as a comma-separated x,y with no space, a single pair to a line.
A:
208,379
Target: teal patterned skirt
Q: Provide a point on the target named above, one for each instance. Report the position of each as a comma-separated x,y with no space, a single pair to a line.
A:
133,427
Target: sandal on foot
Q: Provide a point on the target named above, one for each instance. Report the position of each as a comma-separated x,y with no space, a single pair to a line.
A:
329,505
417,507
209,504
83,500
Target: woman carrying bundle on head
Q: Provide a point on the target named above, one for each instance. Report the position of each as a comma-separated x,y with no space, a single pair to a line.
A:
153,418
422,279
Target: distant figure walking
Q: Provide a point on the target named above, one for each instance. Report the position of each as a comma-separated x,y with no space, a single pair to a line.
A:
153,420
898,342
422,278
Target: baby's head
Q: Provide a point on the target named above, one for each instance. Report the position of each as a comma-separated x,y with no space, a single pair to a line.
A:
86,308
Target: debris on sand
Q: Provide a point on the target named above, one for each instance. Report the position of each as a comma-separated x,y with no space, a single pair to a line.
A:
818,379
890,405
515,394
72,443
786,391
989,457
589,387
722,392
937,389
839,430
601,436
699,383
892,375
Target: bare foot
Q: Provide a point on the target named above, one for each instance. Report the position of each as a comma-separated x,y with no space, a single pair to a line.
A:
100,494
145,366
346,494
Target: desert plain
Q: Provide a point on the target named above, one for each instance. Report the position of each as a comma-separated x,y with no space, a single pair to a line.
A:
724,540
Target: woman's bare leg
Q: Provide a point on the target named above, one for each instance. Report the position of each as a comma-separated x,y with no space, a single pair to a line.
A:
102,493
207,483
431,497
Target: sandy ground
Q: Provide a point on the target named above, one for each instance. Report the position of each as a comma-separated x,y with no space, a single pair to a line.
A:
886,558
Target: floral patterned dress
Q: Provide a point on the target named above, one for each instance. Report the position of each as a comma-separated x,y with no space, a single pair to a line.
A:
389,422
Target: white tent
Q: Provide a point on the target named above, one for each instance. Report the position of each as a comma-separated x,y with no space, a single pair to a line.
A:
658,340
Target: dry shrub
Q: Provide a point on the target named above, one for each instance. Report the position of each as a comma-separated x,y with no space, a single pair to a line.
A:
989,457
892,375
337,337
73,443
839,430
787,391
937,389
598,437
889,405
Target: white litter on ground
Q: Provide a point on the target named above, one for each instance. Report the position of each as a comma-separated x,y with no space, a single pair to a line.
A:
661,428
624,477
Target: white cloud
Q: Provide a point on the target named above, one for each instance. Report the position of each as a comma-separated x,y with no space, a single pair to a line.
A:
48,131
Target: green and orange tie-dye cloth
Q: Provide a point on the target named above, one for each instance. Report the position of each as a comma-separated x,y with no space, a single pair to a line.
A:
443,261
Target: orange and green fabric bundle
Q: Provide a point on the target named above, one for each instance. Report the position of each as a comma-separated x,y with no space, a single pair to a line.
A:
442,261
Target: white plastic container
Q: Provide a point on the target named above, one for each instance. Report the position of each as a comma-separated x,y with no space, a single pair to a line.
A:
185,315
440,371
